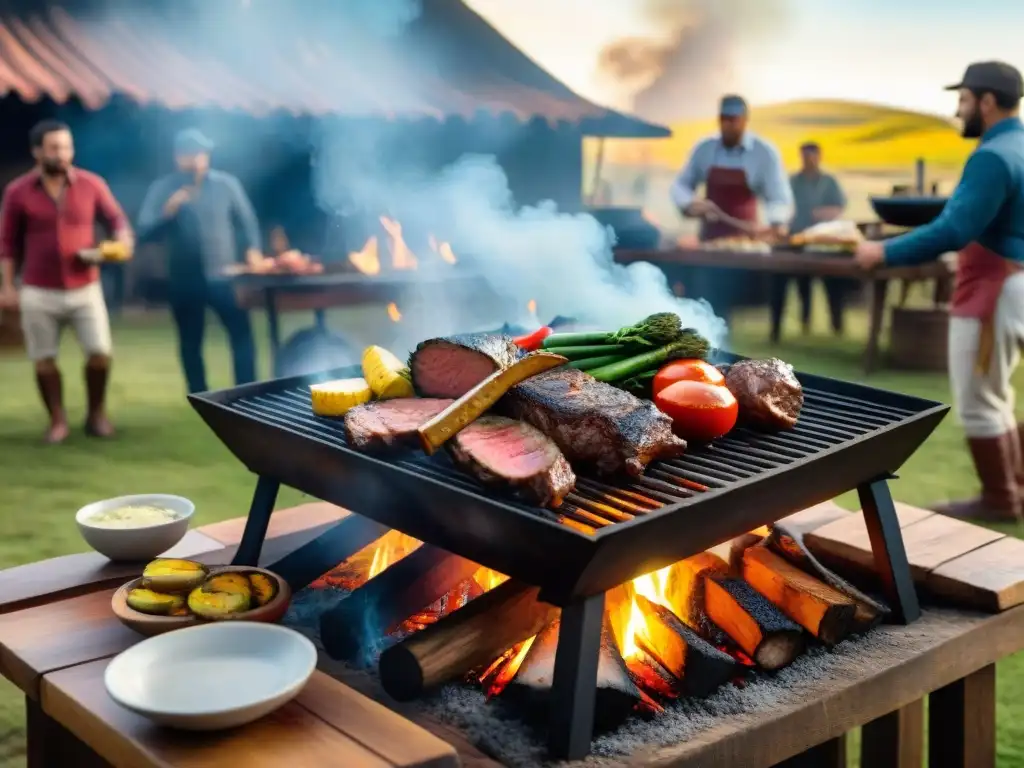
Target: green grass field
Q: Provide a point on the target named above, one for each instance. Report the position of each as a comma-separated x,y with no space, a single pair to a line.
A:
164,447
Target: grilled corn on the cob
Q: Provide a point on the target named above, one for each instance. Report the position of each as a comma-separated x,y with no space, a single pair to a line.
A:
336,398
387,375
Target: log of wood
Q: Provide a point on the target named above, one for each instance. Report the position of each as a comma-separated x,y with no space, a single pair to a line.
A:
764,633
685,588
789,543
468,638
530,689
359,622
699,667
823,611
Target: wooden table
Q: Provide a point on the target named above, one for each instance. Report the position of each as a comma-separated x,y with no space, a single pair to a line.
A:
57,634
813,264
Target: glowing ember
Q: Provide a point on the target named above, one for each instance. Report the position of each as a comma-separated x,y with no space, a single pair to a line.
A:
531,306
393,313
369,561
503,675
401,256
366,260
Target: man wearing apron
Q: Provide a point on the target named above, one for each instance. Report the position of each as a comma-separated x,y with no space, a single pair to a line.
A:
737,168
984,222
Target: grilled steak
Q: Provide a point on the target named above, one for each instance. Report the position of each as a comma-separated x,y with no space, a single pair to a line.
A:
505,453
594,423
451,366
767,391
390,423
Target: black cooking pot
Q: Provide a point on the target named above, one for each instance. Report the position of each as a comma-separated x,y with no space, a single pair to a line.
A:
908,211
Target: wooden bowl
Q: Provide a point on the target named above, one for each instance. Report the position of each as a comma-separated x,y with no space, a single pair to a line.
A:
150,625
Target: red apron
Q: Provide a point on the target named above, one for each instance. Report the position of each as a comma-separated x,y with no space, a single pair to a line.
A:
728,189
980,276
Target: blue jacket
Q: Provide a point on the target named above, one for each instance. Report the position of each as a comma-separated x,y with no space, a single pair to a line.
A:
987,205
203,238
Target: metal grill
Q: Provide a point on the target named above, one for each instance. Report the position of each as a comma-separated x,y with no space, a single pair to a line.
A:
827,421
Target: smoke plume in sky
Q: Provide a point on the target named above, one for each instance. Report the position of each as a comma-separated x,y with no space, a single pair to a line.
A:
690,58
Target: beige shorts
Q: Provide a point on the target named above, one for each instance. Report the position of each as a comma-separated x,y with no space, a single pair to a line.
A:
45,312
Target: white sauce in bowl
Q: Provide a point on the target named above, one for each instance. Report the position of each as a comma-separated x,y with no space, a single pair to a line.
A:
131,516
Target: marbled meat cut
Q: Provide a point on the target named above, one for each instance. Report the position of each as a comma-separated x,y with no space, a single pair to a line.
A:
390,423
767,391
509,454
595,424
451,366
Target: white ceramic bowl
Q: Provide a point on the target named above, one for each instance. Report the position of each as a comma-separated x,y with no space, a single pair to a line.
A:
136,544
213,676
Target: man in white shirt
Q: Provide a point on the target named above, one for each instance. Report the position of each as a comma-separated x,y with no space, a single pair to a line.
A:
737,169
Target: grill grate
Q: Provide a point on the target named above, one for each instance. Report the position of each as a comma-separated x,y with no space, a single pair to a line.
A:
827,421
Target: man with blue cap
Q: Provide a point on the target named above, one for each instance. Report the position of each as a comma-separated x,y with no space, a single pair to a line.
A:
984,222
737,169
202,214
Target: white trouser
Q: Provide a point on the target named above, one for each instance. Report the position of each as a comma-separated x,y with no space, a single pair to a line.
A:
984,401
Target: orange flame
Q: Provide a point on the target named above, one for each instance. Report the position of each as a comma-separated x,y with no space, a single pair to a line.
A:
401,256
394,313
367,259
531,306
444,250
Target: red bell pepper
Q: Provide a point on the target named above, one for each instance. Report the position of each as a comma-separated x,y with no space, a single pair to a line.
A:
531,342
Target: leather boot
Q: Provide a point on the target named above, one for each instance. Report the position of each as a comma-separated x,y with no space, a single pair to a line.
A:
96,423
996,460
51,390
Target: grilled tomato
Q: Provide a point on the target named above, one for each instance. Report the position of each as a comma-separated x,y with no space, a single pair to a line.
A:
699,411
687,370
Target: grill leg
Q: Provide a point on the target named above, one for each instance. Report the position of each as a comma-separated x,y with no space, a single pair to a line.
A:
260,509
574,688
887,546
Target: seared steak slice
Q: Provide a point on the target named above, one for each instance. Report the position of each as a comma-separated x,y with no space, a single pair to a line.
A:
767,391
510,454
594,423
452,366
390,423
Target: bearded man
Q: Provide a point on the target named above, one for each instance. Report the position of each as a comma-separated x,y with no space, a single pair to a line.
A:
47,224
984,222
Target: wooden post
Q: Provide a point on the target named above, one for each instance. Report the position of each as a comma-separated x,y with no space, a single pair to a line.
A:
895,740
962,722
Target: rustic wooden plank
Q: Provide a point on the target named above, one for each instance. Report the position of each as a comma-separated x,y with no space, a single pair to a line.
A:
51,744
944,646
813,518
990,578
62,577
283,522
939,539
375,726
831,754
45,638
847,539
293,735
895,740
962,722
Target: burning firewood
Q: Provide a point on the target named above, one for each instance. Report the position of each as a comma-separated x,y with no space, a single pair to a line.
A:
366,616
823,611
699,667
461,641
685,588
530,689
763,632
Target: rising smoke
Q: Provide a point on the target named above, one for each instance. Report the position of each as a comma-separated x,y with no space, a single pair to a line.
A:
562,261
680,71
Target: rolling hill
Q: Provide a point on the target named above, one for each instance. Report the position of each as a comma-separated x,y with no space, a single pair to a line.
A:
854,137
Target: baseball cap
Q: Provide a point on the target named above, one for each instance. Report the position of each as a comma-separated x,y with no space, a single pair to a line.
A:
996,76
192,141
732,106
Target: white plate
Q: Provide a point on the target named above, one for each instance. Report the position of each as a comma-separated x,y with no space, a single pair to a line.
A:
212,676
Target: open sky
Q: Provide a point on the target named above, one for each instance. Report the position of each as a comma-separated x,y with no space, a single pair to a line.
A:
897,52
